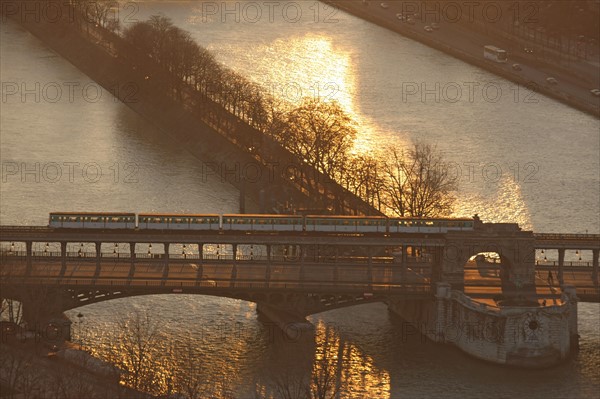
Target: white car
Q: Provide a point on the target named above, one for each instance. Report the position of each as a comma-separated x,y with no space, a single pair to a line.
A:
428,29
551,80
384,5
516,67
595,92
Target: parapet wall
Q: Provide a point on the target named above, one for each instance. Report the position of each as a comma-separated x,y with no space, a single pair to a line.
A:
521,336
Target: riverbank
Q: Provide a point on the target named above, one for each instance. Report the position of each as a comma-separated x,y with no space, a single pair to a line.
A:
29,369
468,45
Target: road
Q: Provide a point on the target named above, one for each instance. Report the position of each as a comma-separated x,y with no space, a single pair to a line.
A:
572,88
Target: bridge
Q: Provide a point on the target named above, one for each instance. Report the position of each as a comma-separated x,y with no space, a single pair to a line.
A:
291,275
334,269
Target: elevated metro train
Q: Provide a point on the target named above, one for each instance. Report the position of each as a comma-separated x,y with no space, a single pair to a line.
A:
264,223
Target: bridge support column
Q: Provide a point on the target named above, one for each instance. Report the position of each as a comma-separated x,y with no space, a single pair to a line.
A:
436,267
63,258
234,268
200,271
166,262
132,259
561,265
404,263
336,272
302,272
370,266
98,259
291,323
28,249
43,312
268,271
595,253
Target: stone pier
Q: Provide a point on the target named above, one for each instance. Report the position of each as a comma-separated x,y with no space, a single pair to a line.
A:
527,336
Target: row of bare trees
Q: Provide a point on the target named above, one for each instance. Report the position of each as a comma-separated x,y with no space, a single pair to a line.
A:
402,182
396,181
151,363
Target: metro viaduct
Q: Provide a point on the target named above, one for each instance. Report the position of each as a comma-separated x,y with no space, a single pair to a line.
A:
299,274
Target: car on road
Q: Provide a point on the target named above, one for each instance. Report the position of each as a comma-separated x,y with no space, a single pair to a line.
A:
410,21
528,50
384,5
428,29
435,25
551,80
516,67
400,16
595,92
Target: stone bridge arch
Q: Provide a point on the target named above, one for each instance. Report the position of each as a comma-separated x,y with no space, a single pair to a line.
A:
42,305
515,249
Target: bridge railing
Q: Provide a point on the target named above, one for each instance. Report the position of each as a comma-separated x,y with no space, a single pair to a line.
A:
566,236
546,263
26,228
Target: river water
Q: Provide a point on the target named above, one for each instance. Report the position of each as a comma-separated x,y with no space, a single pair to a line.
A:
533,162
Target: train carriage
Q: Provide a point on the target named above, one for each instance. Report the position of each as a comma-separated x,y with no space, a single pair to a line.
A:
415,225
250,223
262,223
168,221
92,220
346,224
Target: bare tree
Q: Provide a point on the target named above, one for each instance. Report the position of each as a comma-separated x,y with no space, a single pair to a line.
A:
419,182
135,349
363,175
321,381
16,371
189,379
320,133
100,12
